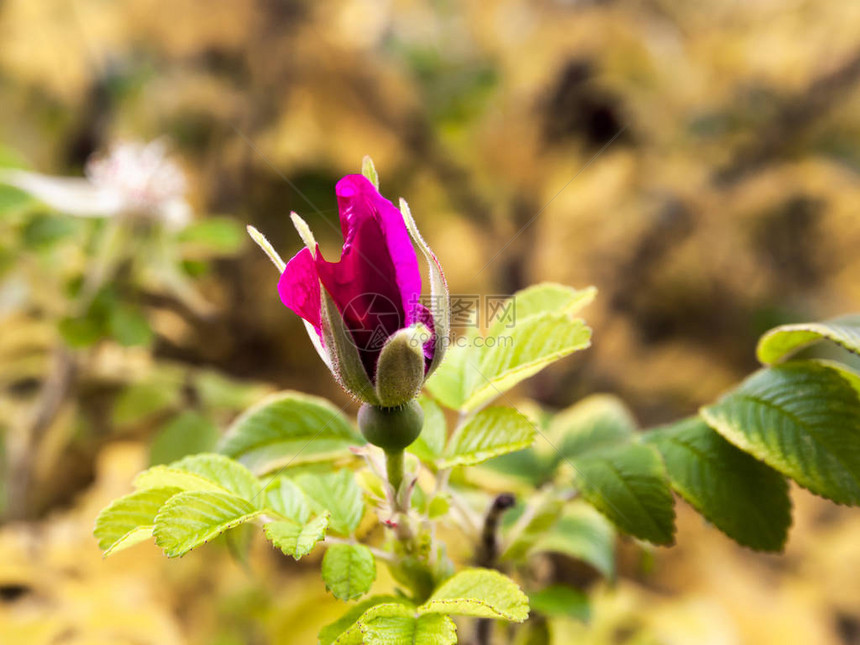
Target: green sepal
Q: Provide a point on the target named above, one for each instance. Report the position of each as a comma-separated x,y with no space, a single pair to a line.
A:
400,367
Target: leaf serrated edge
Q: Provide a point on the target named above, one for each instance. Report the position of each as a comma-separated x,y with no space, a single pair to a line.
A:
479,396
822,330
774,460
474,458
615,471
298,556
699,508
206,484
424,610
160,527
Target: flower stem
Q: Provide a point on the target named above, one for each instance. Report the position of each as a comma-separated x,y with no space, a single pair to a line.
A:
394,463
394,466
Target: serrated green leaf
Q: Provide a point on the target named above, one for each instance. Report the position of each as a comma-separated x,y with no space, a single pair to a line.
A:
228,475
800,418
739,495
130,519
289,428
188,433
490,433
188,520
584,534
397,624
331,634
339,494
532,345
165,476
348,570
628,484
546,297
286,498
596,422
297,539
431,442
483,593
781,342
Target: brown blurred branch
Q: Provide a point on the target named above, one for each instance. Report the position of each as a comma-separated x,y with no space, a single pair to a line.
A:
23,457
798,113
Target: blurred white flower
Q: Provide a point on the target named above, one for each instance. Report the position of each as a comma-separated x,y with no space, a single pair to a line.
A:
133,180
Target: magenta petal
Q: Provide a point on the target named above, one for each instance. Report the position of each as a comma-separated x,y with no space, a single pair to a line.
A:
299,288
377,282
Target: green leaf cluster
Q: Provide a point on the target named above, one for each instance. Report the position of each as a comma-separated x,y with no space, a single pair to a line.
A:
192,501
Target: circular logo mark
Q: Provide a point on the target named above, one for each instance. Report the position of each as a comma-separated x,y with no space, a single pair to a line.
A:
372,318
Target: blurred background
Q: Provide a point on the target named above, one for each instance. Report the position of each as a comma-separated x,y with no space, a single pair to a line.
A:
696,161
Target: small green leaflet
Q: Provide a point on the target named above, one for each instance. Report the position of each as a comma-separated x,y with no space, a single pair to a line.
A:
490,433
285,497
628,484
739,495
348,570
534,343
130,519
188,520
205,472
802,419
289,428
546,297
482,593
397,624
330,633
297,539
339,494
480,368
781,342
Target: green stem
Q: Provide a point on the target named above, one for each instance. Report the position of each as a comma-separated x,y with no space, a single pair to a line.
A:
394,460
394,466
